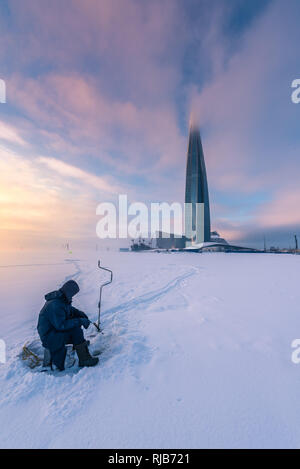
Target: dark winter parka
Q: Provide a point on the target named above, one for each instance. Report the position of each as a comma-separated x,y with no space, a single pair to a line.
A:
59,316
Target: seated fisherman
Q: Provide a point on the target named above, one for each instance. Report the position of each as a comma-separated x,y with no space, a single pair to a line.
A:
60,324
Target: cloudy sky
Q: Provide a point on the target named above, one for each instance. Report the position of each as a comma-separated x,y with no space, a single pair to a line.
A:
99,94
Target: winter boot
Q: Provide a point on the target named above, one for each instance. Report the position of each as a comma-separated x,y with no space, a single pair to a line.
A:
47,358
84,356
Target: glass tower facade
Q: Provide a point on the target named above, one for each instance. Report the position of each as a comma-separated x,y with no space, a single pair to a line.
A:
197,214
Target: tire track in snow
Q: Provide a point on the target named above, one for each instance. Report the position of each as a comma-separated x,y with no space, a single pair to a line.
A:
78,271
149,298
123,344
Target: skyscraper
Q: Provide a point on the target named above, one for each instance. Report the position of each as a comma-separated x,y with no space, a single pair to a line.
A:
197,214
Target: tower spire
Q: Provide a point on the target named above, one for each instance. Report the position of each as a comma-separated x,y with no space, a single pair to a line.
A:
193,125
197,213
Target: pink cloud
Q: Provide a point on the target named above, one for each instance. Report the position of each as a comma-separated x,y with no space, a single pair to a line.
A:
283,210
75,103
130,37
99,183
11,134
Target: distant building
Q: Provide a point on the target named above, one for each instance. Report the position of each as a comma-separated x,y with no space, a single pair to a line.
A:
215,237
197,213
141,244
169,241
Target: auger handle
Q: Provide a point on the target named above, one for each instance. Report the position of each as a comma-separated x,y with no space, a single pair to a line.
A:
97,324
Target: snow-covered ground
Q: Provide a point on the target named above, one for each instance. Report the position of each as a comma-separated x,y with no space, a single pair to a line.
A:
196,352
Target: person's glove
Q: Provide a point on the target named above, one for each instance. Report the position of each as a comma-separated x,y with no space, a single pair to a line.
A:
85,322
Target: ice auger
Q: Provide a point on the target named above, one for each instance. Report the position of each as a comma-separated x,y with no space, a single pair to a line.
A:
97,324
